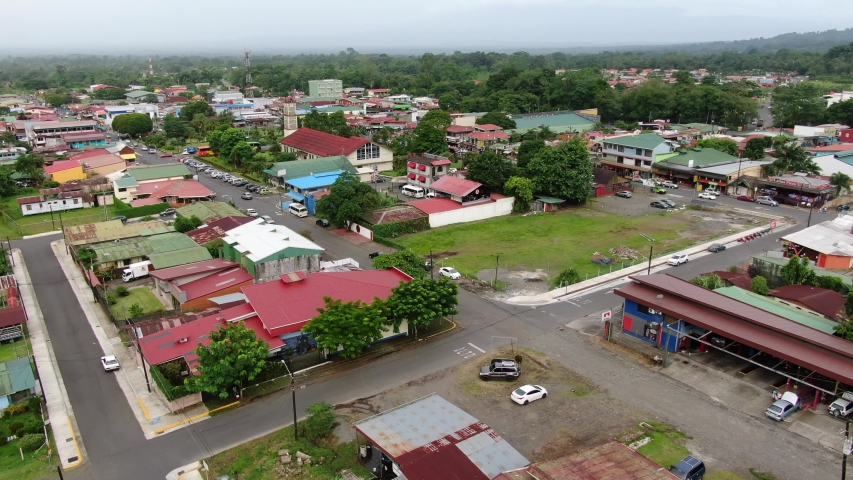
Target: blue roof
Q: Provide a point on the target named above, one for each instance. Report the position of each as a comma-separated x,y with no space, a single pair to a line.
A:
316,180
294,195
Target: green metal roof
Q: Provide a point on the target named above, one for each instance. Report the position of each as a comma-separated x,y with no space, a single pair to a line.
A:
550,200
138,94
154,172
644,140
304,168
123,249
126,181
16,376
169,242
781,262
179,257
778,308
209,211
556,122
701,157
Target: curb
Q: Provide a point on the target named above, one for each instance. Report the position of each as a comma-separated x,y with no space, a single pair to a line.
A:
196,417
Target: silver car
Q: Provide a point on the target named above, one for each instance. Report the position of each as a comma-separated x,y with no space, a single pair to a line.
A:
785,406
766,201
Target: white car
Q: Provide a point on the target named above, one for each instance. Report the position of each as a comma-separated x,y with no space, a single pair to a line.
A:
251,212
267,219
110,363
708,195
449,272
677,259
528,393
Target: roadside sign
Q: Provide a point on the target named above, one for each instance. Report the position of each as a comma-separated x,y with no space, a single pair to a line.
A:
606,315
773,224
848,446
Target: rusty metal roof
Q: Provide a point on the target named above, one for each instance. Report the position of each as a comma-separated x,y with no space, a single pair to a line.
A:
431,438
826,354
113,230
610,461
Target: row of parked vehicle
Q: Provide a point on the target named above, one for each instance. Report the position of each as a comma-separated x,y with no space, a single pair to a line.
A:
235,180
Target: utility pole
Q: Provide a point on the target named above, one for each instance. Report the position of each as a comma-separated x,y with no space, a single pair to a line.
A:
431,265
651,249
293,395
811,207
497,263
845,450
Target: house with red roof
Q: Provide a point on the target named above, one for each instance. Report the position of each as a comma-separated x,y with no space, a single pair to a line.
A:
216,229
818,301
65,171
422,169
100,162
459,200
378,92
366,156
166,278
173,192
488,127
196,295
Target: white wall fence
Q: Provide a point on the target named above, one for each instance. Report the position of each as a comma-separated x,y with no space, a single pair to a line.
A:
473,213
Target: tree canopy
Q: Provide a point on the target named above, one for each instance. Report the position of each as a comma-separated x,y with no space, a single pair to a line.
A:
563,172
722,144
31,165
405,260
173,127
489,168
196,107
233,356
348,327
421,301
429,135
333,123
133,124
348,200
522,189
496,118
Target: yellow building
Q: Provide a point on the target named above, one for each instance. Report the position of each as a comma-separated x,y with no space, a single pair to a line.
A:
65,171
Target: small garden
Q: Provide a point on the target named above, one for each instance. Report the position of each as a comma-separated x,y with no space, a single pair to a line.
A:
22,430
132,303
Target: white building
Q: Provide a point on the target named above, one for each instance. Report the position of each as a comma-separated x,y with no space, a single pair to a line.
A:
9,155
228,96
834,97
329,88
400,98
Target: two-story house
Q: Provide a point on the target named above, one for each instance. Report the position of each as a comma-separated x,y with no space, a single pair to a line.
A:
423,169
366,156
633,155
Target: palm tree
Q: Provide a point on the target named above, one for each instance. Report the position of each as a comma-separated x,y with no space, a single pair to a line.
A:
840,181
790,156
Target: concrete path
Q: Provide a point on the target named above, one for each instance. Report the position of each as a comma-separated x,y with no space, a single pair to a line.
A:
62,423
150,411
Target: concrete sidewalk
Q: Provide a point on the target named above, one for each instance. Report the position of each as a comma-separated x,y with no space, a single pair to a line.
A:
150,411
69,448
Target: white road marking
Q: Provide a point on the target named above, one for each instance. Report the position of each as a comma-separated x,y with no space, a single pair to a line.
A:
573,303
478,348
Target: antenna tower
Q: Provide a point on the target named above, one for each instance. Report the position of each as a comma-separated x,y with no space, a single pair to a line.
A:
250,92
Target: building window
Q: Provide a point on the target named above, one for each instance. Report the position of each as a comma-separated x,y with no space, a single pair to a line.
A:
621,149
29,207
647,153
367,151
620,160
644,309
76,201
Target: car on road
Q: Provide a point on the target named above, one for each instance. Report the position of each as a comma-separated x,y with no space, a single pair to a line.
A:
745,198
677,259
669,184
251,212
668,203
110,363
374,255
785,406
168,212
246,196
267,218
322,222
658,204
528,393
766,201
166,155
716,247
450,273
263,191
501,369
152,150
843,208
707,196
120,217
689,468
624,194
660,190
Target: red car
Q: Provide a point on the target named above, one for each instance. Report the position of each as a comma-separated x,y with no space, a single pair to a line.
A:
166,155
745,198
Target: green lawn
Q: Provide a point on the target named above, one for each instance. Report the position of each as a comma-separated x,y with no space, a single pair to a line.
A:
21,225
34,466
664,449
547,241
142,296
13,350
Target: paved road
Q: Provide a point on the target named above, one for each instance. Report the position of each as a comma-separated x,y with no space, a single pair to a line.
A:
116,447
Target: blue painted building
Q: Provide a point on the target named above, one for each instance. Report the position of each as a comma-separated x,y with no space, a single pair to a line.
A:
84,140
298,188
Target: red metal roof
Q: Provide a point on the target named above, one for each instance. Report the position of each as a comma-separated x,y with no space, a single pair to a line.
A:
215,283
824,301
322,143
29,200
826,354
214,265
12,316
60,166
488,136
287,307
488,127
435,205
455,185
741,280
610,461
141,202
174,188
216,229
459,129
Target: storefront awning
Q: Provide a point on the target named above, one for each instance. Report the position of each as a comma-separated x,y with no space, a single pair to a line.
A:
422,179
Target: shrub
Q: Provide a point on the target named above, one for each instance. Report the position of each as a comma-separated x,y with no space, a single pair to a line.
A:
31,442
122,291
111,298
33,425
15,427
306,234
34,404
15,409
320,421
759,285
568,276
135,311
395,229
146,218
3,440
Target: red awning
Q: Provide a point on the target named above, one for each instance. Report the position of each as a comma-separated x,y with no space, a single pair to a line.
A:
422,179
412,176
412,164
422,168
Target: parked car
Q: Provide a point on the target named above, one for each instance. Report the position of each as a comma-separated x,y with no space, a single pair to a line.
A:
677,259
450,273
707,196
669,184
249,186
624,194
689,468
842,406
262,190
110,363
785,406
152,150
374,255
658,204
239,183
660,190
501,369
668,203
166,155
267,219
322,222
843,208
528,393
716,247
251,212
745,198
246,196
766,201
168,212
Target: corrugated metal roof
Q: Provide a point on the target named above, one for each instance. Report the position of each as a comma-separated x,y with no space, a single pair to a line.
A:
154,172
773,306
826,354
179,257
262,240
16,376
831,238
216,282
213,265
113,230
209,211
431,438
824,301
610,461
455,185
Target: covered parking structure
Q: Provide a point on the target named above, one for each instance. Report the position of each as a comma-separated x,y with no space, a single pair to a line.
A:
676,315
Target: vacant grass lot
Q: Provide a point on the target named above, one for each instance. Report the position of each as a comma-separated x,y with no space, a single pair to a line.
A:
142,296
32,224
550,241
34,466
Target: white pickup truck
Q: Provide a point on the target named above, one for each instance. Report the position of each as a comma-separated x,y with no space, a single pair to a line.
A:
669,184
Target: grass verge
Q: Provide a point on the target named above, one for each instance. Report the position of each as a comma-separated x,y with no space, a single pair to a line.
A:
142,296
13,350
35,465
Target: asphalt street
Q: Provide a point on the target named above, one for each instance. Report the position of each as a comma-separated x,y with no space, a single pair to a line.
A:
116,448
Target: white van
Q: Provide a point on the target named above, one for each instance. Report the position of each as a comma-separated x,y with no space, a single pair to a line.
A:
297,209
413,191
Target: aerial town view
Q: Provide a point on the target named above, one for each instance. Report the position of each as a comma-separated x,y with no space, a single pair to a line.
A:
495,240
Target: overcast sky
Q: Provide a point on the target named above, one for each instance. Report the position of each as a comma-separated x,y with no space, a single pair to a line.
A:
287,26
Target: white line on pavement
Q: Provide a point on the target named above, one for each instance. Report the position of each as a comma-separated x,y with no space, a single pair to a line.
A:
478,348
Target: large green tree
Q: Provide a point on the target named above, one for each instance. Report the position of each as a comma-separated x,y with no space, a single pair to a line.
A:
841,182
58,99
348,327
527,150
348,200
798,271
334,123
196,107
133,124
233,356
224,141
421,301
407,261
489,168
429,135
722,144
31,165
109,94
496,118
522,189
563,172
841,112
755,148
241,152
174,127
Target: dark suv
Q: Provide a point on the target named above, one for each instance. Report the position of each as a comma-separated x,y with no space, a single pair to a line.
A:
501,368
690,468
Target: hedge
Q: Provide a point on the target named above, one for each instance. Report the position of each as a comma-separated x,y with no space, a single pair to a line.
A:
170,391
388,243
133,212
395,229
